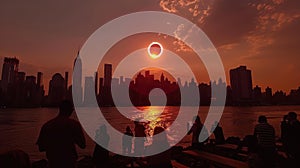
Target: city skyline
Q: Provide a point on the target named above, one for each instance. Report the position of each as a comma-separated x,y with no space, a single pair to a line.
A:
157,74
19,89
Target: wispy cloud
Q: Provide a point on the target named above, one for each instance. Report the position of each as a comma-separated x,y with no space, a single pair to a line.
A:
272,17
194,10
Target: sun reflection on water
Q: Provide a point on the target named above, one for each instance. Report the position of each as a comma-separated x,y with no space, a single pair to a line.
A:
154,116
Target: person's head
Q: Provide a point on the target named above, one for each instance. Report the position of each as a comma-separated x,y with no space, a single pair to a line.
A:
292,116
262,119
285,117
66,108
197,119
128,129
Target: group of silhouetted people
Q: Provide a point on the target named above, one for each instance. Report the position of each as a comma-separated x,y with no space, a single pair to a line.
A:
59,136
264,143
290,137
201,135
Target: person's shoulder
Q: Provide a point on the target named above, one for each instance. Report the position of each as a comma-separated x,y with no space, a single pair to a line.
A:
258,126
70,123
297,124
49,123
73,122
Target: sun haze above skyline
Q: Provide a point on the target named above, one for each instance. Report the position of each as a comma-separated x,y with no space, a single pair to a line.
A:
261,34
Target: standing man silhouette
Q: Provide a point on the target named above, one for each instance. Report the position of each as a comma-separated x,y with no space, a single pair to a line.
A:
58,138
265,134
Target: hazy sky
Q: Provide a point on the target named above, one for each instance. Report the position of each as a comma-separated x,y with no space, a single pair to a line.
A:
262,34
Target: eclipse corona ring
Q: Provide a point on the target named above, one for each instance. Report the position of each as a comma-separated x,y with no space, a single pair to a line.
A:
155,50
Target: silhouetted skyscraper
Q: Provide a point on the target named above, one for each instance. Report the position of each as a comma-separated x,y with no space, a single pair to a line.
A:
31,79
257,94
101,85
56,89
40,79
77,81
268,95
107,75
127,81
162,78
241,84
269,92
9,72
121,80
20,77
89,92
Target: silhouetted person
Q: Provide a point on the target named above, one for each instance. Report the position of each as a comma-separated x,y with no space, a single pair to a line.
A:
293,139
265,135
196,130
161,160
139,132
218,133
59,136
127,141
14,159
284,126
101,154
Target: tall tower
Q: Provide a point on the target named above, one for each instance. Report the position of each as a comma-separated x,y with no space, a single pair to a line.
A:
9,72
89,91
107,75
241,84
77,81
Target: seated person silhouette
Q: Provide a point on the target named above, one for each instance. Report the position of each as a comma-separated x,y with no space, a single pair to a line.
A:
139,133
196,129
161,160
15,159
101,154
217,130
127,141
59,136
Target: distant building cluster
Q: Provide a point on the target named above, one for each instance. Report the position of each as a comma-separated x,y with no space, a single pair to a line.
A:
19,90
241,92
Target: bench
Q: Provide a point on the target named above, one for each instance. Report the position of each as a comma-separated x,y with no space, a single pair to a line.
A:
216,160
178,165
233,147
